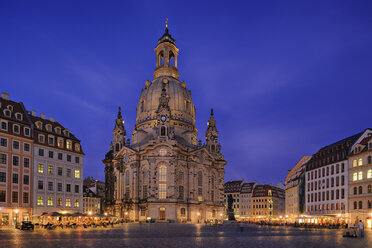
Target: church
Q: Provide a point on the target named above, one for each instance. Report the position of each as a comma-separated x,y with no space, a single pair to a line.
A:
165,173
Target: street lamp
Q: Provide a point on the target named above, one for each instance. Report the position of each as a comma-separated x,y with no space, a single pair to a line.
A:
16,211
90,213
126,213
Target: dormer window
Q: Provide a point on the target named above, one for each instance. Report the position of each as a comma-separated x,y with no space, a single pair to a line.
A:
16,129
69,144
48,127
66,132
51,140
77,147
39,125
7,112
60,143
58,130
18,116
10,107
41,138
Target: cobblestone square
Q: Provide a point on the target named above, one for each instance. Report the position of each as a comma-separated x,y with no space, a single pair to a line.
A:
180,235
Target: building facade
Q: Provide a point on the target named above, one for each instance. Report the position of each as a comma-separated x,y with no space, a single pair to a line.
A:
58,167
165,174
327,180
295,189
91,202
360,180
246,200
16,144
233,188
268,202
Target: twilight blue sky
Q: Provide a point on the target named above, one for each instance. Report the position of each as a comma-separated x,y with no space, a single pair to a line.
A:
284,77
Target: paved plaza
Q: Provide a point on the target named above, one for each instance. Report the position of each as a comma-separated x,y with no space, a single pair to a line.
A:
180,235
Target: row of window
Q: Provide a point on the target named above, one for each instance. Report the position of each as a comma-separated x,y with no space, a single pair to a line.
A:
8,113
15,178
60,142
326,183
16,144
359,190
360,205
40,186
59,155
40,169
359,162
16,128
359,175
326,195
15,160
50,202
324,207
322,172
14,197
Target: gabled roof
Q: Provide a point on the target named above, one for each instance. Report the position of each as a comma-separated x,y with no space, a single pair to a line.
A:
233,186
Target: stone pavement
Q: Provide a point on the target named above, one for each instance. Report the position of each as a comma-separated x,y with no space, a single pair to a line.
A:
181,235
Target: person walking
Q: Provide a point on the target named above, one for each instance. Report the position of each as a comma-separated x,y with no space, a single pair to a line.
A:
361,229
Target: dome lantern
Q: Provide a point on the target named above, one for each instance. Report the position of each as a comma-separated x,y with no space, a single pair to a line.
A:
166,56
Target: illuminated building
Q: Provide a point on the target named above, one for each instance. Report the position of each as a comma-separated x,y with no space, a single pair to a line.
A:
295,189
268,202
58,167
15,162
360,180
165,174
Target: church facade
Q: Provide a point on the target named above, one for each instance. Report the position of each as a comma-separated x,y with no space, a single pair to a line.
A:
165,174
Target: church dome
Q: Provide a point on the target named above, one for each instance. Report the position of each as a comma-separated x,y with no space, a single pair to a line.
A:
180,101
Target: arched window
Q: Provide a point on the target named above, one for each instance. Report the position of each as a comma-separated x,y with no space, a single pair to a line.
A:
180,177
127,175
183,212
171,58
354,163
355,176
360,190
360,204
162,173
213,148
360,162
369,160
162,131
161,58
200,179
369,189
144,183
360,175
162,182
355,190
369,173
355,205
200,186
117,147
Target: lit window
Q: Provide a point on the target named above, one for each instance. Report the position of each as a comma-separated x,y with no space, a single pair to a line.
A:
50,169
40,201
50,201
76,203
68,202
360,175
163,173
77,173
369,173
59,202
360,162
355,176
40,168
69,144
77,147
354,163
60,143
162,191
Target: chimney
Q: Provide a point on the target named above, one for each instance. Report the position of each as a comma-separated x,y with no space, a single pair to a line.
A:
51,119
42,116
33,112
5,95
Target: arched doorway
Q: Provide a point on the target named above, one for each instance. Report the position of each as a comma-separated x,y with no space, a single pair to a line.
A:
162,213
